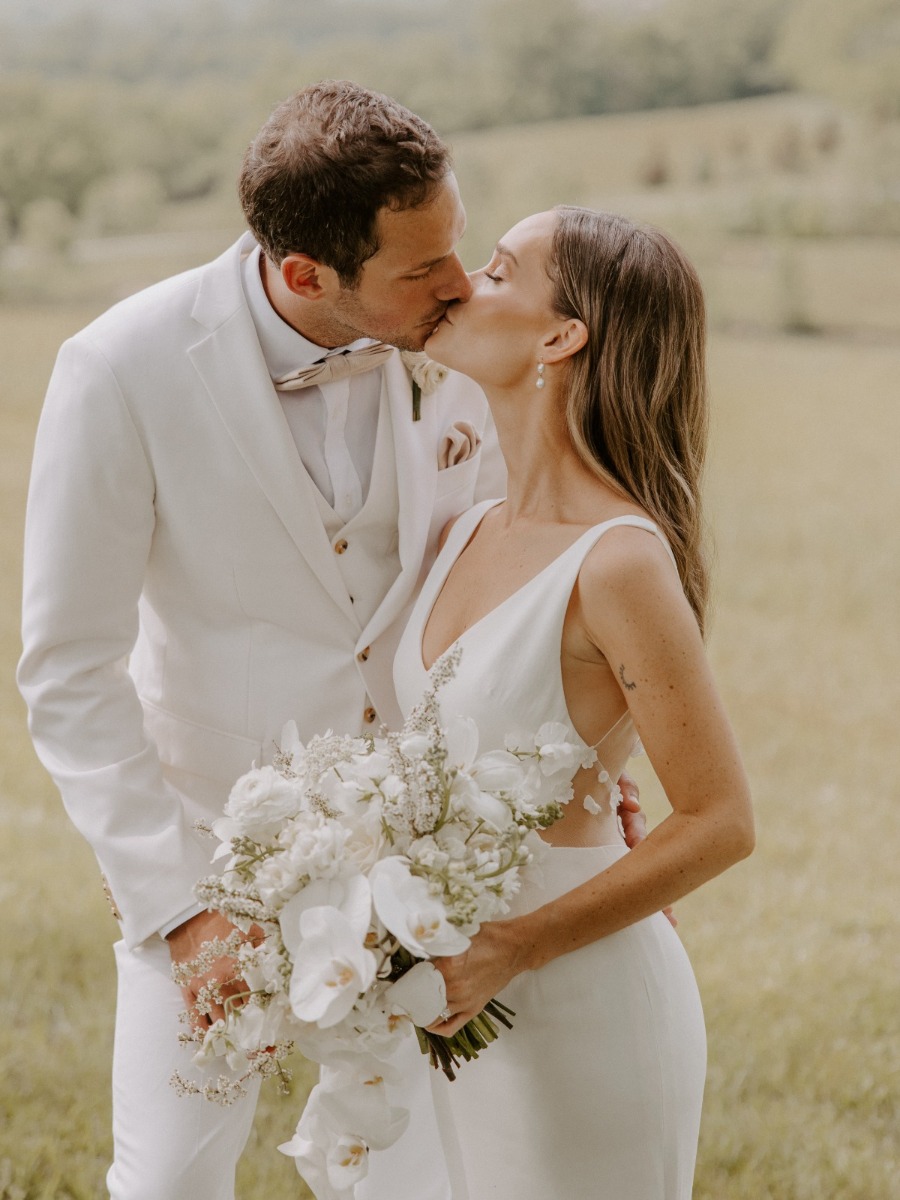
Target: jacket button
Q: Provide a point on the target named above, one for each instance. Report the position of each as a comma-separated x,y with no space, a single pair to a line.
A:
369,715
363,655
341,546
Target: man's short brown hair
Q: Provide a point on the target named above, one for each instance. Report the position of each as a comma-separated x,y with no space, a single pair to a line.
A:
325,162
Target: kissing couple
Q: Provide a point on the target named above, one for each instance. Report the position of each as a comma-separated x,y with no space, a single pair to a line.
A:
254,499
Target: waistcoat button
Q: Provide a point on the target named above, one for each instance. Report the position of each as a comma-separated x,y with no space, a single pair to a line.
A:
363,655
341,546
369,715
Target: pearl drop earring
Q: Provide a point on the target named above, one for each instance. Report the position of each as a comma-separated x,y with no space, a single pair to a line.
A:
540,379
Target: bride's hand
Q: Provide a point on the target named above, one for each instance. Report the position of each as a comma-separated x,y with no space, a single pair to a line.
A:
497,954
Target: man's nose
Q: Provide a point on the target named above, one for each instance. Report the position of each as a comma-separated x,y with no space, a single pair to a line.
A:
457,285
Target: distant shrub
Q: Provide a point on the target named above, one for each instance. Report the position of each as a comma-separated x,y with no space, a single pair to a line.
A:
46,227
786,152
129,202
654,170
827,136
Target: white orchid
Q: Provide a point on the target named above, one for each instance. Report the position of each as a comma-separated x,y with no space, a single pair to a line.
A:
338,1128
330,1171
416,917
350,894
331,967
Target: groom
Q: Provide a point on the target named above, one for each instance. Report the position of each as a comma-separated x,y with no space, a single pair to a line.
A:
220,538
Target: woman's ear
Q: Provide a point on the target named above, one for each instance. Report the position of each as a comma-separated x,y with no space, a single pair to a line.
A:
565,341
303,276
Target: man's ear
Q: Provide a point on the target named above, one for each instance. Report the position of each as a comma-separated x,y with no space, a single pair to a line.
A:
566,340
304,276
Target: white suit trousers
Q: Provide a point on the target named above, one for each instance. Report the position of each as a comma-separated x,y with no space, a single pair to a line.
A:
171,1147
166,1146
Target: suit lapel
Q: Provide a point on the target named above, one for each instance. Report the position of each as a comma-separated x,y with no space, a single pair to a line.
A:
416,461
230,363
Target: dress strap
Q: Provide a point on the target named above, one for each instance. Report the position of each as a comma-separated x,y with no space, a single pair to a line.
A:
612,729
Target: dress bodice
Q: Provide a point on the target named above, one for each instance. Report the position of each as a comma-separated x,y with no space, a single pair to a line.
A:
509,679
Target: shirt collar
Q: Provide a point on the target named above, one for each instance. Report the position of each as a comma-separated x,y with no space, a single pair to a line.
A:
284,349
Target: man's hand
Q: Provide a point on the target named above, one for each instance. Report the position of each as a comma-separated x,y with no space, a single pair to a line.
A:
634,821
634,824
221,980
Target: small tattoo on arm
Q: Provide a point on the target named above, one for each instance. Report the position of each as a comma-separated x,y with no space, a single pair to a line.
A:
625,684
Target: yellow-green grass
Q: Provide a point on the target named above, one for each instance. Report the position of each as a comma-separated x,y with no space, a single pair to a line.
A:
796,950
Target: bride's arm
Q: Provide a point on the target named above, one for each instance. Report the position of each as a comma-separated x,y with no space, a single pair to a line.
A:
632,607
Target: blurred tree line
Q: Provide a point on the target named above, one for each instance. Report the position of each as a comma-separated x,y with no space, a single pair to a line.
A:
109,112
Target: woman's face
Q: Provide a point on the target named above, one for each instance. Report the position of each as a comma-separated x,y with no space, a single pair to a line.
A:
496,336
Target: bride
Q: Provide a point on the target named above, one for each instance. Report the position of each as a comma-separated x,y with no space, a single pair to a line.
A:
581,599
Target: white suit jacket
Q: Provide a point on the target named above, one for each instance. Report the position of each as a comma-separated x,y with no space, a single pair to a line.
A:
182,599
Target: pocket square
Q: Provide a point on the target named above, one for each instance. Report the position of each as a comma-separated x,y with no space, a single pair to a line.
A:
459,443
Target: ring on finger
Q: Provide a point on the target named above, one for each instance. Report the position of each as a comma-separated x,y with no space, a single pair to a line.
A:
445,1014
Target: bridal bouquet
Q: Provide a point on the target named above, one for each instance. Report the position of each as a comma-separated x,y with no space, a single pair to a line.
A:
351,862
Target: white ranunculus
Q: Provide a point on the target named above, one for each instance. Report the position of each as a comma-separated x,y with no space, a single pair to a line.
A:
365,840
331,967
416,918
421,992
276,879
261,801
314,845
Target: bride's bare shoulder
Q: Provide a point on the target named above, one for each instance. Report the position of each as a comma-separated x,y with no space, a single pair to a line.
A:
629,564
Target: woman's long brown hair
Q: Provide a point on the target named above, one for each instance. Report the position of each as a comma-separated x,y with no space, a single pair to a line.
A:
637,406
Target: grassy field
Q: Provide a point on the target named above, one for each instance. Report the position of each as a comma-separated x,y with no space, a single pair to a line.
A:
796,950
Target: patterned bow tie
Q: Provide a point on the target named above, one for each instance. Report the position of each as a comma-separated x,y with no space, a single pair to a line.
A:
336,366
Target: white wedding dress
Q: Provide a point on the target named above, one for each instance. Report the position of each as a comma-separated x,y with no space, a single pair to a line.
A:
595,1094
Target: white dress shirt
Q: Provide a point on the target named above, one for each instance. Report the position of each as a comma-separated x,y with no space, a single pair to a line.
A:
333,424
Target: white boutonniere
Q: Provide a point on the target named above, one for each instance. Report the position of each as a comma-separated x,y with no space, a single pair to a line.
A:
427,376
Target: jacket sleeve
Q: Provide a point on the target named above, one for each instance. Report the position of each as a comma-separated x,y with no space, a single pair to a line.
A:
89,530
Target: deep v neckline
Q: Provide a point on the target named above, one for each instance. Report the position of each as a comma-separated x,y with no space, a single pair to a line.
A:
485,616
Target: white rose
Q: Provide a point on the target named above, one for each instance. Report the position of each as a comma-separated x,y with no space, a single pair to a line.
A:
261,801
428,374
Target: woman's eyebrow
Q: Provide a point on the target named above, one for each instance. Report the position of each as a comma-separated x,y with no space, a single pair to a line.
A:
506,253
